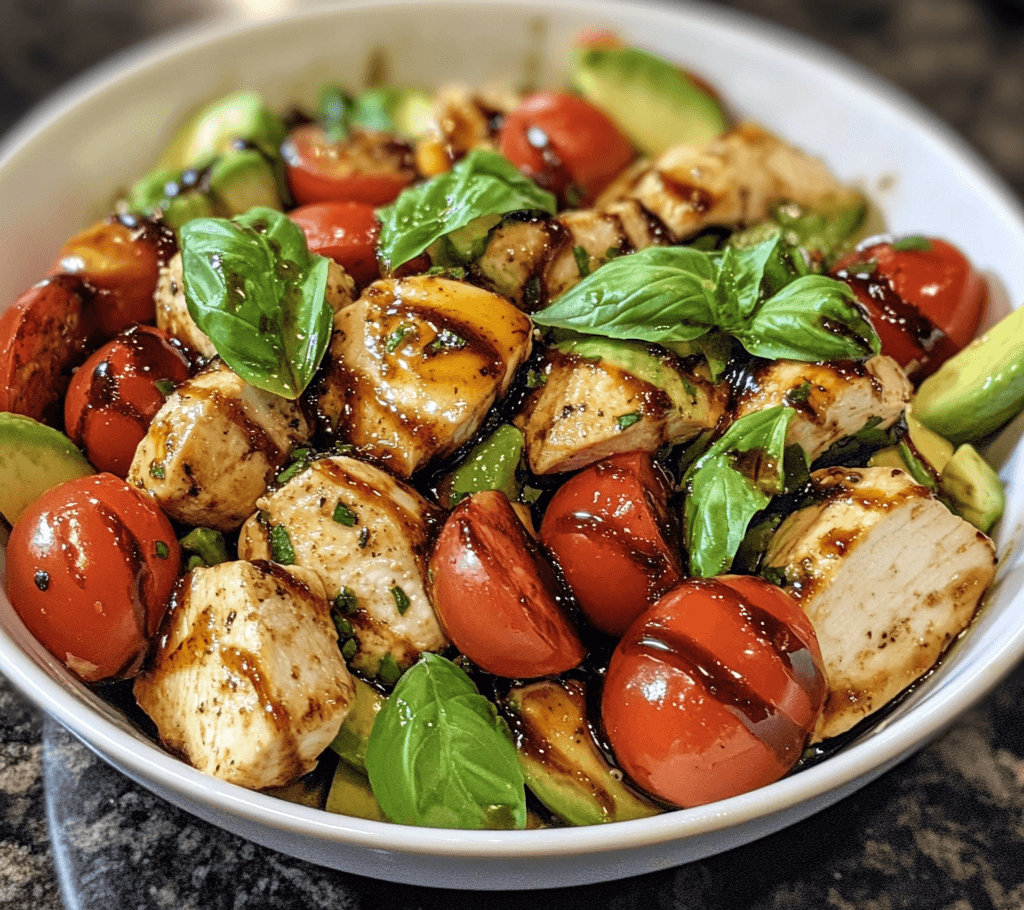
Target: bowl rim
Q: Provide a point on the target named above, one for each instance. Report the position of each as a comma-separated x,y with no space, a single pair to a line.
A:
832,779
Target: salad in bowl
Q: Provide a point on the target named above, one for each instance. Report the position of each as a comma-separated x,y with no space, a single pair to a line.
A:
489,456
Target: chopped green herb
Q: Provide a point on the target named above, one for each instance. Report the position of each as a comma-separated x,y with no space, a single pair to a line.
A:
389,672
582,258
865,267
455,272
398,336
295,468
346,601
343,515
156,469
165,386
624,421
401,599
343,626
800,393
281,549
535,379
348,650
775,575
531,292
446,340
915,243
613,252
162,550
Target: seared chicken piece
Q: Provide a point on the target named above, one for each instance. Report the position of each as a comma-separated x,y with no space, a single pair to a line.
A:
533,260
173,317
248,682
365,535
831,400
888,576
588,409
414,365
728,181
214,446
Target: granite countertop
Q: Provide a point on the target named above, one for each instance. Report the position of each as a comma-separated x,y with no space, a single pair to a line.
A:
943,831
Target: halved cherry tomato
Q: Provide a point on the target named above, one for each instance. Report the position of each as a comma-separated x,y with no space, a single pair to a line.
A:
925,299
42,338
91,566
347,232
565,144
115,394
121,260
609,529
367,167
495,595
714,690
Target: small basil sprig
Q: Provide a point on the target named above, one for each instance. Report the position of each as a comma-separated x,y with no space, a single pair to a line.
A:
440,756
730,483
483,183
254,288
668,295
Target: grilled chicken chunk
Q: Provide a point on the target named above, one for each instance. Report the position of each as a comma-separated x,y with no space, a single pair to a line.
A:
365,535
831,400
728,181
415,364
248,682
214,446
589,409
173,317
888,576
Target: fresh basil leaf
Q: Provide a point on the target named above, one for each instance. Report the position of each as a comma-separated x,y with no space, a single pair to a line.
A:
741,273
254,288
730,483
334,109
482,183
658,294
811,318
440,756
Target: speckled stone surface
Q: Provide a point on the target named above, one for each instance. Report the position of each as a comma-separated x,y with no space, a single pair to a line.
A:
944,831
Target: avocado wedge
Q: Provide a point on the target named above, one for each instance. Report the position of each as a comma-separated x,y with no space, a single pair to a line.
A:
33,459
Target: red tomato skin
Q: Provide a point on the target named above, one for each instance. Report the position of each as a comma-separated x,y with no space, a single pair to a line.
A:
925,304
42,338
318,170
565,144
114,395
85,574
121,262
346,232
494,593
713,691
609,528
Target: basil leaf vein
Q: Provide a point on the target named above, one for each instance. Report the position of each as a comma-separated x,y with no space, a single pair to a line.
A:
483,183
254,288
439,755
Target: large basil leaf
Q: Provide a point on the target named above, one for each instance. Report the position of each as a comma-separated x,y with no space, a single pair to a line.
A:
729,484
483,183
668,295
254,288
440,756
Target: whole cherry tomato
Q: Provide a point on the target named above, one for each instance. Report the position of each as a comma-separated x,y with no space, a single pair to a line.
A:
347,232
42,338
925,299
495,596
91,566
116,393
609,529
121,260
565,144
366,167
714,690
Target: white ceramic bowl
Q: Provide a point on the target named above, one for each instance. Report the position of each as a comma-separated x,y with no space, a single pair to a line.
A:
57,174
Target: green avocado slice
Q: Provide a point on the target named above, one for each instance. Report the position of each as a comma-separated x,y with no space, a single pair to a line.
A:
33,459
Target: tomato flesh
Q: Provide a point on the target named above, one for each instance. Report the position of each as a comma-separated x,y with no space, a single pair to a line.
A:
925,299
495,594
714,690
346,232
371,168
566,145
609,529
115,394
91,566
